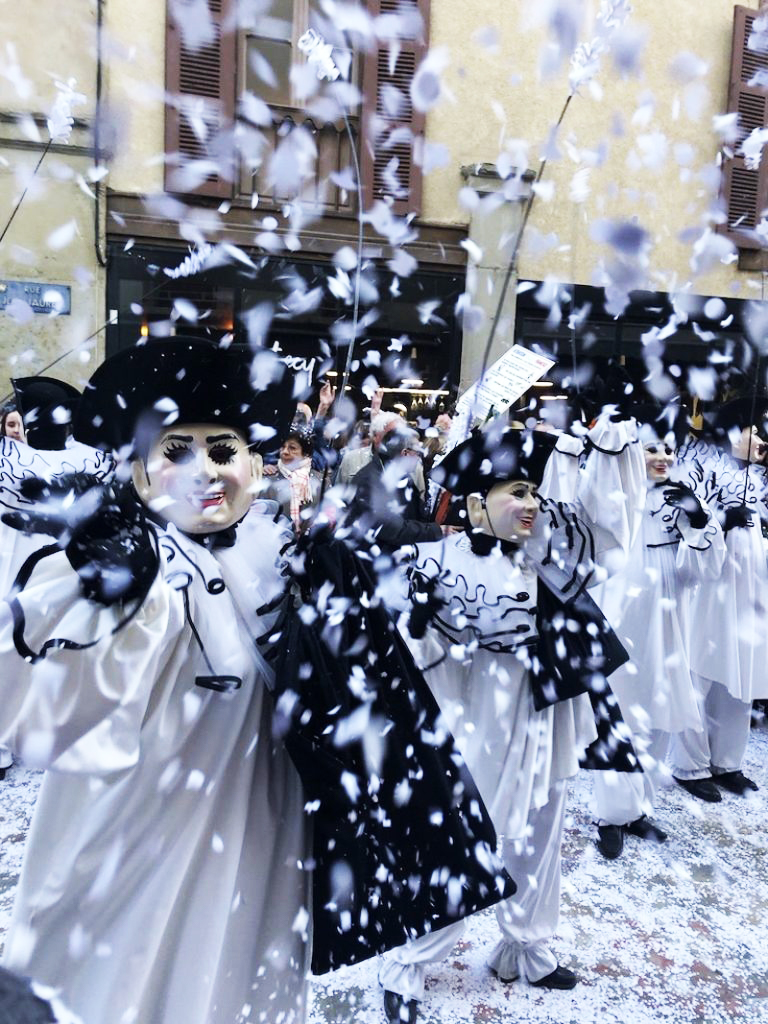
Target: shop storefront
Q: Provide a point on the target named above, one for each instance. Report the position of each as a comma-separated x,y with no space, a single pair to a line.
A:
409,341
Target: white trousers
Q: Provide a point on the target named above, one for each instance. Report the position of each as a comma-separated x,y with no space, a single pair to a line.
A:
720,747
527,920
6,758
622,797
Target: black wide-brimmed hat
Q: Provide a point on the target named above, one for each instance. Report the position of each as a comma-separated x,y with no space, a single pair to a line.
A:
493,457
662,420
47,407
151,386
740,413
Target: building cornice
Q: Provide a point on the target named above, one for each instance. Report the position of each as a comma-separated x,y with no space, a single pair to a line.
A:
437,245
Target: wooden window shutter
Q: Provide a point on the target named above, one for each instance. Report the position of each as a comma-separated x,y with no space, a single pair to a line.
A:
203,82
386,134
745,190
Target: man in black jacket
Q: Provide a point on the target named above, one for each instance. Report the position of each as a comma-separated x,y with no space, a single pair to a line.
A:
387,506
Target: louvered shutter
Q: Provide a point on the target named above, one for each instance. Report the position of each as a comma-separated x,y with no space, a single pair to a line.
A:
745,190
204,83
389,134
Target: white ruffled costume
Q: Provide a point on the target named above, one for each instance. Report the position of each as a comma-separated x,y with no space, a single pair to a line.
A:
474,657
647,604
163,878
17,462
729,640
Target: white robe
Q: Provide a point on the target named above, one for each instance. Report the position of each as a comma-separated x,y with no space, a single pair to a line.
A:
475,655
515,753
163,877
729,639
17,462
647,606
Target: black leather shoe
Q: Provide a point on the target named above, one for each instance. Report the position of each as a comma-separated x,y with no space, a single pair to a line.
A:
2,774
611,841
735,782
561,977
644,828
702,789
398,1009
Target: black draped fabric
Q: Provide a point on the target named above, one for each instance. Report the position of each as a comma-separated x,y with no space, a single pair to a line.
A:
576,651
19,1004
402,843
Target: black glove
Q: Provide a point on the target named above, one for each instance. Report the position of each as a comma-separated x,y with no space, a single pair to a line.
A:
681,496
736,517
100,526
426,604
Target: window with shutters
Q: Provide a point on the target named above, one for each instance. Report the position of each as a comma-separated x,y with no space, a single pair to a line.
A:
200,62
392,129
270,53
745,187
220,145
233,100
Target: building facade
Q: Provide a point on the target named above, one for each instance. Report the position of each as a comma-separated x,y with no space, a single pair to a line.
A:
204,124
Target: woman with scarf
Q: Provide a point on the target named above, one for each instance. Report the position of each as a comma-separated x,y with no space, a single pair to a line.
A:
292,482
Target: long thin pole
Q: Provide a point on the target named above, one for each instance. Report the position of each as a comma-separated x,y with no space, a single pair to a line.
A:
26,189
356,300
754,396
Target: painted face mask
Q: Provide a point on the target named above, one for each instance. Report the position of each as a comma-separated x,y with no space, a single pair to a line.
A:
510,511
747,445
200,477
659,458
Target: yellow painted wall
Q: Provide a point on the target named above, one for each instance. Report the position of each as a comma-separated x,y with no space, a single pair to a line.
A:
135,37
52,238
494,94
48,39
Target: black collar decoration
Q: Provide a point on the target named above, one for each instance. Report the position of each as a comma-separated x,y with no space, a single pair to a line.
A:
483,544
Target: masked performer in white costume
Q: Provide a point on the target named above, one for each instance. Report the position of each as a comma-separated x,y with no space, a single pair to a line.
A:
166,874
729,640
680,544
498,599
44,450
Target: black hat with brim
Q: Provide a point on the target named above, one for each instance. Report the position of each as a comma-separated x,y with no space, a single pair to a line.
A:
740,413
663,420
493,457
47,406
146,388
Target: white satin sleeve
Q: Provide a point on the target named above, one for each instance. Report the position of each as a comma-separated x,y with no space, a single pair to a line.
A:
561,474
701,552
611,491
83,709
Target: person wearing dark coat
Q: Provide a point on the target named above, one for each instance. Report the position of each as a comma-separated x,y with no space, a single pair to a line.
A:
387,506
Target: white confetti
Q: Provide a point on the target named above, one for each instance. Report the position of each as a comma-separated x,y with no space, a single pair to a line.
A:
62,236
20,312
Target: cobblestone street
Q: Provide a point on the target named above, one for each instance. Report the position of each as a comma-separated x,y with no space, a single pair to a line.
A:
670,933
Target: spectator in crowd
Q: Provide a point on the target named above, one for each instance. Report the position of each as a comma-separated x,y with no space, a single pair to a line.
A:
11,424
387,504
293,482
